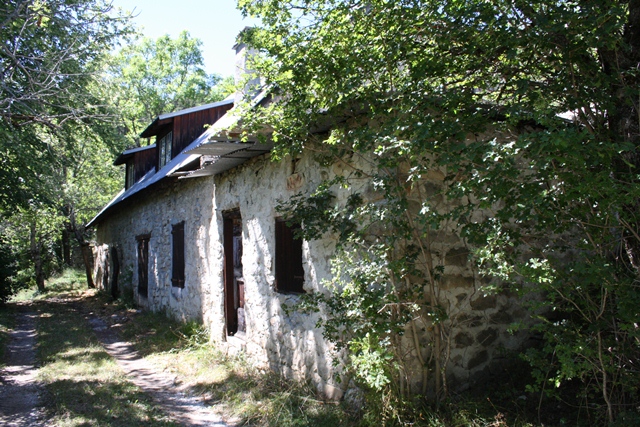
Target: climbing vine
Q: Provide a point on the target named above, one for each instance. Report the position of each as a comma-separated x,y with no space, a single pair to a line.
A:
512,127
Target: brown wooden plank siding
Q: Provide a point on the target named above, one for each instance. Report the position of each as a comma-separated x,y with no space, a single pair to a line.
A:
144,161
188,127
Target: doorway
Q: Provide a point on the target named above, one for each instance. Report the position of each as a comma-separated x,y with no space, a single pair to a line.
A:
115,273
233,280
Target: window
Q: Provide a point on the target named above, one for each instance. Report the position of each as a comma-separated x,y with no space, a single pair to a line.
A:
143,264
164,149
130,177
289,271
177,267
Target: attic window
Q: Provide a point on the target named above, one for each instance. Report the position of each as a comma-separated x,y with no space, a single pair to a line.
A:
130,175
164,150
177,265
289,270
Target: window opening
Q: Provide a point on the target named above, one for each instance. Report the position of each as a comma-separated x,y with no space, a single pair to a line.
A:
164,147
130,175
289,270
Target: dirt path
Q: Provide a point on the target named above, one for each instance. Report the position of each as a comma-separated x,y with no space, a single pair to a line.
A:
19,390
184,409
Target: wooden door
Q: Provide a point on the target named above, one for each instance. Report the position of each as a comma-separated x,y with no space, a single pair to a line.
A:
143,265
116,272
233,297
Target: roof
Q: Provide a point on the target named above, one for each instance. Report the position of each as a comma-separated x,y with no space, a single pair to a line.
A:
163,119
222,152
122,158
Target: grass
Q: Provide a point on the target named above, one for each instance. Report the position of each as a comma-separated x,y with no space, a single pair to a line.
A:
7,316
85,387
71,283
242,392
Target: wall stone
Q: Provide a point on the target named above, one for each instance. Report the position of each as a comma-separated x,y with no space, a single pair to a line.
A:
286,341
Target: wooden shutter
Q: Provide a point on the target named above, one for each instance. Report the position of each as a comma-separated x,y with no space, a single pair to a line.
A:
231,315
177,271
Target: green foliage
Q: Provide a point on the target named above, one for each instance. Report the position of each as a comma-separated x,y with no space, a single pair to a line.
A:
51,50
513,126
8,269
57,132
152,77
371,361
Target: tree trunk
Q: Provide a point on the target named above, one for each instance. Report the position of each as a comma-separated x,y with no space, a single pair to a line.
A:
86,258
36,255
84,247
66,248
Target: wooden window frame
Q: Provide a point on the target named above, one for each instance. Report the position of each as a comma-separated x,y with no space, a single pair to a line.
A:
130,174
289,269
177,258
164,146
143,267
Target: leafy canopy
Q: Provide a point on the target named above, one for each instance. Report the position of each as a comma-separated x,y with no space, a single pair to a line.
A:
152,77
526,114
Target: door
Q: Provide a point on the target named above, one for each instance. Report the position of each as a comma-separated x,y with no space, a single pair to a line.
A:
143,265
116,272
233,281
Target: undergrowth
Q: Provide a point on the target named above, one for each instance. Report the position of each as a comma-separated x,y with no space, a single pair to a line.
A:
84,386
69,283
7,316
258,397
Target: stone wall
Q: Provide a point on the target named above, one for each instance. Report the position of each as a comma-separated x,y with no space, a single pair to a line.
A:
190,201
287,342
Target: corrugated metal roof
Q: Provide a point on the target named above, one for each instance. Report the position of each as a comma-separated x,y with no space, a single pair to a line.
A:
230,153
226,155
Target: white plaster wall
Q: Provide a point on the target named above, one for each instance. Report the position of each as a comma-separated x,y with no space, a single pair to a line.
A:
286,342
189,201
289,343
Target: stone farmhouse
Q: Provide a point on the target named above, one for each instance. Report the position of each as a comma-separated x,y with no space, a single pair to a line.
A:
195,234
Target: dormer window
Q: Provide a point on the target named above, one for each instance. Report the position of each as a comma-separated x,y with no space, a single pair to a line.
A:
164,146
130,177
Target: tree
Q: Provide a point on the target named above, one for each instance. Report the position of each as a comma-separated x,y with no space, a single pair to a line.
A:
159,76
51,56
49,49
471,95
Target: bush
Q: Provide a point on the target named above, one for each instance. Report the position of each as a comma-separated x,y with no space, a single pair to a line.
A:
8,271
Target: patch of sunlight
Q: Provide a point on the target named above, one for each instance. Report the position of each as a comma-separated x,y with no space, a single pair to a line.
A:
76,421
199,366
26,294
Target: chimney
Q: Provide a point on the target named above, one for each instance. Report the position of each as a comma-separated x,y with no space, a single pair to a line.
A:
246,80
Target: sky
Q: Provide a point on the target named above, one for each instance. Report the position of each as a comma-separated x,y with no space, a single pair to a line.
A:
215,22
